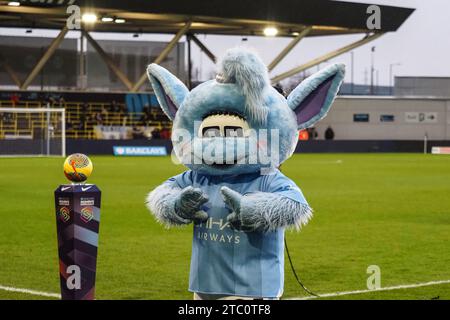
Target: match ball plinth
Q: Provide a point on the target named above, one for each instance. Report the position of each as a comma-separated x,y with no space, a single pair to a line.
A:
77,220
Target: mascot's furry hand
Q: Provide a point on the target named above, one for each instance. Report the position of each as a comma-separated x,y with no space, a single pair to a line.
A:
233,200
262,211
175,206
189,202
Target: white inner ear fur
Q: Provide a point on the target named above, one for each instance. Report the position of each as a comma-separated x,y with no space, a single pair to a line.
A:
222,121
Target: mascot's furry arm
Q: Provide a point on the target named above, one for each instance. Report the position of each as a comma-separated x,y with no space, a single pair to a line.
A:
172,205
263,211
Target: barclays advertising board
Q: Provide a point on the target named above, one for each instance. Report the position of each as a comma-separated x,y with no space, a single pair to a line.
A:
146,151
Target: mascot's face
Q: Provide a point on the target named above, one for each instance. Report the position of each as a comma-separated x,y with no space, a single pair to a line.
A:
238,123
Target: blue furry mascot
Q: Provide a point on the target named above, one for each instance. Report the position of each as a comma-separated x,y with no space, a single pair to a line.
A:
233,133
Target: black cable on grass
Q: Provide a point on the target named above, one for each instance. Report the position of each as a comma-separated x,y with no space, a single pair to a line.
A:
295,273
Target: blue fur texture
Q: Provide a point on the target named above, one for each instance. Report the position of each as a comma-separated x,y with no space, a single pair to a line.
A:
264,212
174,206
337,71
161,202
229,95
241,87
165,84
247,70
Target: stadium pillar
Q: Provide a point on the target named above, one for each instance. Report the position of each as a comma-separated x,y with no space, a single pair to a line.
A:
163,54
46,56
109,62
288,48
82,78
203,48
325,57
189,62
447,127
9,71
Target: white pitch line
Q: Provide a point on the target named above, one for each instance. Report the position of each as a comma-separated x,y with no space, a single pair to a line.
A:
32,292
324,295
344,293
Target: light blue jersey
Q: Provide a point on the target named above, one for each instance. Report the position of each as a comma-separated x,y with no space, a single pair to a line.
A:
231,262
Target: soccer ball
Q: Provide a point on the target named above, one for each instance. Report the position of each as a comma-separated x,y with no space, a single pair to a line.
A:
77,167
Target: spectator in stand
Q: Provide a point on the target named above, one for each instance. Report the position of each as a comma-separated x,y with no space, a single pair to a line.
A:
14,99
62,102
312,133
124,110
83,119
83,116
154,114
42,100
121,112
104,114
84,108
146,107
148,112
137,133
303,135
146,116
156,134
329,133
165,133
98,117
69,125
114,107
143,120
47,103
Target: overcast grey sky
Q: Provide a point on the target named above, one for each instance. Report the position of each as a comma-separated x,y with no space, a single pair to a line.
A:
421,45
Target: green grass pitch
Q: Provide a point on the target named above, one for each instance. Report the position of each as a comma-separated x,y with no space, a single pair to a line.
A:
390,210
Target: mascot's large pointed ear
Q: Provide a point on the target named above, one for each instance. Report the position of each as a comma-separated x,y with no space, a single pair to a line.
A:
312,98
169,90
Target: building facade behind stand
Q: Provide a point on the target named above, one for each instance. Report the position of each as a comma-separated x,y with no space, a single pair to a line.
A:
419,107
388,118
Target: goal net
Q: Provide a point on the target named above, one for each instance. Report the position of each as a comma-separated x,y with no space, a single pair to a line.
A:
32,132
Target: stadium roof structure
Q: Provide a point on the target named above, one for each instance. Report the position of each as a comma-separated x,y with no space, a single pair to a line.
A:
296,19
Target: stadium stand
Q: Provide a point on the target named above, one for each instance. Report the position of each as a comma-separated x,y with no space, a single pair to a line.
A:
82,118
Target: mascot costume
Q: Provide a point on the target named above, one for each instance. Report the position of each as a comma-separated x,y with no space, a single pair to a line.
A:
233,133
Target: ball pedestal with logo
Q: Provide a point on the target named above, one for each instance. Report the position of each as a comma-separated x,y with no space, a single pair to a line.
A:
77,221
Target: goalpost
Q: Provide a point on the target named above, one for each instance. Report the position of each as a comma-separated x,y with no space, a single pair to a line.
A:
32,132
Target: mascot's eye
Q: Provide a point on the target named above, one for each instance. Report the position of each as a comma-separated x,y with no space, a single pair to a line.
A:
211,132
223,125
234,131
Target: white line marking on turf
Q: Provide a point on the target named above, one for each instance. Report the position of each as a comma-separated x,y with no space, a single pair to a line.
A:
344,293
324,295
29,291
